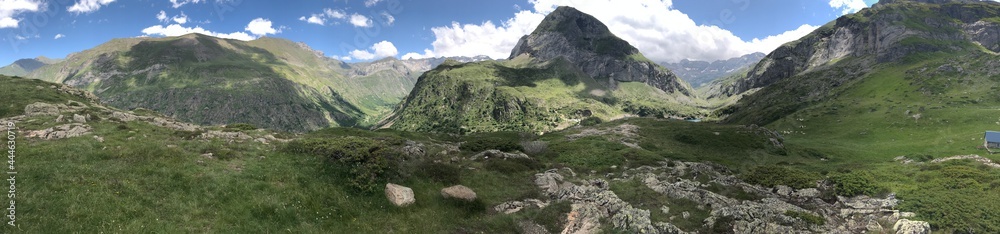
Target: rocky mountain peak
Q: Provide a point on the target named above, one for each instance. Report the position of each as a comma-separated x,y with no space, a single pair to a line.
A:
589,45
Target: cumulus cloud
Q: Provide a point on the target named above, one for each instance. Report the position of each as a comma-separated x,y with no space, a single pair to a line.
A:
321,18
88,6
58,36
180,19
256,28
359,20
661,32
849,6
381,49
371,3
179,3
261,27
9,9
162,16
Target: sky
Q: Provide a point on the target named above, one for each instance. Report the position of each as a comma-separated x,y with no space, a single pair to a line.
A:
362,30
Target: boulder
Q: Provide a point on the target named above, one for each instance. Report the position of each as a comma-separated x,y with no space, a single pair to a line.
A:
906,226
498,154
39,108
79,118
459,192
399,195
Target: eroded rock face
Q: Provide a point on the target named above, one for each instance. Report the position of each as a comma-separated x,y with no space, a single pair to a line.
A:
60,132
587,43
399,195
905,226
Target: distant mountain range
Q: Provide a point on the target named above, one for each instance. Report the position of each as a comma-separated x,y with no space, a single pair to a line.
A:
700,73
268,82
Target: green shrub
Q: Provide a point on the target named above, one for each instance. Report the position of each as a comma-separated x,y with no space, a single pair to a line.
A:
370,161
777,175
513,165
855,183
553,217
591,121
686,139
439,172
807,217
477,144
187,135
240,127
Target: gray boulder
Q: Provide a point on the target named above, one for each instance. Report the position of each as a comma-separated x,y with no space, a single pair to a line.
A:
399,195
459,192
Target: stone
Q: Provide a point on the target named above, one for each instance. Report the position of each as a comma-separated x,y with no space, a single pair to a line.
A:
807,193
582,219
906,226
79,118
99,139
60,119
783,190
122,116
459,192
40,109
499,154
399,195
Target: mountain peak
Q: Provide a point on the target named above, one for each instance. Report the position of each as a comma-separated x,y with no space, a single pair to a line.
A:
583,32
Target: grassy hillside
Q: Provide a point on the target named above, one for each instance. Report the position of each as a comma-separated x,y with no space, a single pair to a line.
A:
522,95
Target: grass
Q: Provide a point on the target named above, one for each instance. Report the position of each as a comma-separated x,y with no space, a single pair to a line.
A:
21,92
636,193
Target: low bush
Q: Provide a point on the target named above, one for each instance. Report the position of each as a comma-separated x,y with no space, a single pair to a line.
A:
553,217
591,121
370,161
855,184
240,127
478,144
534,147
807,217
439,172
513,165
778,175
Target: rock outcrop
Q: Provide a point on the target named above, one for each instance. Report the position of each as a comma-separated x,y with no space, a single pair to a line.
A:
588,44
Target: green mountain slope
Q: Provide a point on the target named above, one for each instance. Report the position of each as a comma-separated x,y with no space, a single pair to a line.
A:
22,67
552,81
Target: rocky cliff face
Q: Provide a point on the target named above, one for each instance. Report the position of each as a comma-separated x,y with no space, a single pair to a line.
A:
698,73
589,45
886,32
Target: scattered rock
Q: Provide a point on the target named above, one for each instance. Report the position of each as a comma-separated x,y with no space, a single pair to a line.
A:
583,219
498,154
783,190
59,119
459,192
977,158
79,118
807,193
399,195
208,155
515,206
413,149
40,109
60,132
99,139
905,226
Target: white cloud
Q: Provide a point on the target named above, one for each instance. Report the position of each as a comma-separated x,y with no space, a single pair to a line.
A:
371,3
174,30
88,6
179,3
389,19
381,49
19,37
180,19
162,16
59,36
849,6
359,20
261,27
661,32
11,8
322,18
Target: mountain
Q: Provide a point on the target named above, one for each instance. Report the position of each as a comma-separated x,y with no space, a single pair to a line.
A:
268,82
22,67
700,73
570,68
588,44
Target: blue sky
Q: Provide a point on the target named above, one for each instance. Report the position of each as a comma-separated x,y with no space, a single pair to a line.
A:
358,30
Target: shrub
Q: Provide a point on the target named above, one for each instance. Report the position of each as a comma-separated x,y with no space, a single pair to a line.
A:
187,135
777,175
553,217
591,121
370,161
513,165
240,127
478,144
807,217
854,184
686,139
439,172
534,147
